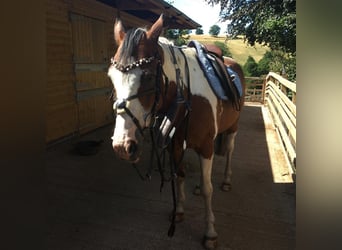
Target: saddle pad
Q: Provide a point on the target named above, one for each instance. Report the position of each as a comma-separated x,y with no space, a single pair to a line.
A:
210,73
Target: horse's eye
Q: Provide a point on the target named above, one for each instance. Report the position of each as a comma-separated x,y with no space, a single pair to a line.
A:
147,77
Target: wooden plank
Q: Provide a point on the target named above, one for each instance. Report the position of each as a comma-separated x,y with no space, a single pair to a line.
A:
59,97
91,67
57,68
282,80
93,9
95,109
282,133
99,42
283,97
83,37
55,78
104,108
61,109
283,117
82,95
92,79
56,3
58,53
87,118
290,114
61,120
60,30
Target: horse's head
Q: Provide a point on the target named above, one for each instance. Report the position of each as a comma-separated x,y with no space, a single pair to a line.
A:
134,73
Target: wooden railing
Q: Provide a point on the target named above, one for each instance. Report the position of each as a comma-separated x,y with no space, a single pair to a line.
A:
255,89
280,98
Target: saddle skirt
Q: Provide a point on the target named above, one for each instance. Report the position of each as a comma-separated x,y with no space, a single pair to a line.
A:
223,80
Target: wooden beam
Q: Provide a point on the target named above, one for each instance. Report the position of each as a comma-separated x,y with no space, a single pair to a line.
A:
134,5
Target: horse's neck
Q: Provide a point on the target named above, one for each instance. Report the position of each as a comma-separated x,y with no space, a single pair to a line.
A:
173,60
170,66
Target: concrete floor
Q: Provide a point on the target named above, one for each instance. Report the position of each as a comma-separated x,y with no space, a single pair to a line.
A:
99,202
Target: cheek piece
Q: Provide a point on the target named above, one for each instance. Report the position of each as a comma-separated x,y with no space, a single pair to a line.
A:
120,105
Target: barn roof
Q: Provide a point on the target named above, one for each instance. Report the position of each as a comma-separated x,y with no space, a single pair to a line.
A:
150,10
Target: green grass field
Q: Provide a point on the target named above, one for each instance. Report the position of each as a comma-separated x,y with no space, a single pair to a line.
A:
239,49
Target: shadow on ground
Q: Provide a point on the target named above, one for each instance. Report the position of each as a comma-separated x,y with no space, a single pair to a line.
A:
96,201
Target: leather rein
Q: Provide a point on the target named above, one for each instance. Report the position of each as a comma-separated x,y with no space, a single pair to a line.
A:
120,105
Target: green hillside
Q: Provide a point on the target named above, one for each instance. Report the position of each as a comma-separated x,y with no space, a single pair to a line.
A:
239,49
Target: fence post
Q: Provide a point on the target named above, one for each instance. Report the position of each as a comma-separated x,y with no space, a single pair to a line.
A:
264,91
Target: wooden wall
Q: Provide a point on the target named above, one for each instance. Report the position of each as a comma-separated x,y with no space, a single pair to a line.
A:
79,47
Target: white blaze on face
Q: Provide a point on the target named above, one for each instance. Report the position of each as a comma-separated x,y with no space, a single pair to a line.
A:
126,85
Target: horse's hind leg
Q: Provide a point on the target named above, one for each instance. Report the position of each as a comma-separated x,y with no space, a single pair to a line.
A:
210,237
226,184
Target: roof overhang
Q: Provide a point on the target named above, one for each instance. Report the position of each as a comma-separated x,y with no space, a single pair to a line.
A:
150,10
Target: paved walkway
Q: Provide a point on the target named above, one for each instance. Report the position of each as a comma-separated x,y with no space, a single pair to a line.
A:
99,202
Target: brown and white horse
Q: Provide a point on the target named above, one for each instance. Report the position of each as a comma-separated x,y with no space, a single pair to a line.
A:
144,74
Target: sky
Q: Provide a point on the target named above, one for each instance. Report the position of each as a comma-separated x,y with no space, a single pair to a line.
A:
202,13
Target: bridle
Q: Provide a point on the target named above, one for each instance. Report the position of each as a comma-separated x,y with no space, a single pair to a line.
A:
120,105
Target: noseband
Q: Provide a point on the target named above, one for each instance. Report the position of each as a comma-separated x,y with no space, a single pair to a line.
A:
121,104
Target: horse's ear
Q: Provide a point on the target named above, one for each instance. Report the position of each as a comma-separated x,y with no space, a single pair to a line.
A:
119,32
155,31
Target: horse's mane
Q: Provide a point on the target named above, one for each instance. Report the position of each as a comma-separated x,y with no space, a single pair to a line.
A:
130,43
164,40
165,44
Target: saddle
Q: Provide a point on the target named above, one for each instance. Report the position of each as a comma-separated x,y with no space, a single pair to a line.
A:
223,80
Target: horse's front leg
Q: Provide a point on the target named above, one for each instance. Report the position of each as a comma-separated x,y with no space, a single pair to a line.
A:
210,237
180,194
178,153
227,182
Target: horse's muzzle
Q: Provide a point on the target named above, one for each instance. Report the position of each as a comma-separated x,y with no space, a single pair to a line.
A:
127,150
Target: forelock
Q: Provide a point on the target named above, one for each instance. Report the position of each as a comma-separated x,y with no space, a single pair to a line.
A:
130,44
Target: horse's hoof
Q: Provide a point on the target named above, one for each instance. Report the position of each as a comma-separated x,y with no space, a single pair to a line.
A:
179,217
226,187
209,242
197,190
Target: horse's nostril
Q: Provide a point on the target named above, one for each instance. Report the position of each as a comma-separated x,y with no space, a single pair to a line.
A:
132,148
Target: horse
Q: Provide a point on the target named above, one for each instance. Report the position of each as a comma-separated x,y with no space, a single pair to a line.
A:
150,77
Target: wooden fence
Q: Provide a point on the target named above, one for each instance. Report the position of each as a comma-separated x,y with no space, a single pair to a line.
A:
279,95
255,89
280,98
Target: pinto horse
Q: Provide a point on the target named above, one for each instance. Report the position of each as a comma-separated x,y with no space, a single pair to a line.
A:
149,74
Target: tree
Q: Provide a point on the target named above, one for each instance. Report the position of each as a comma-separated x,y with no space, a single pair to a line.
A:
179,37
272,23
251,67
265,63
278,62
214,30
224,48
230,31
199,31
